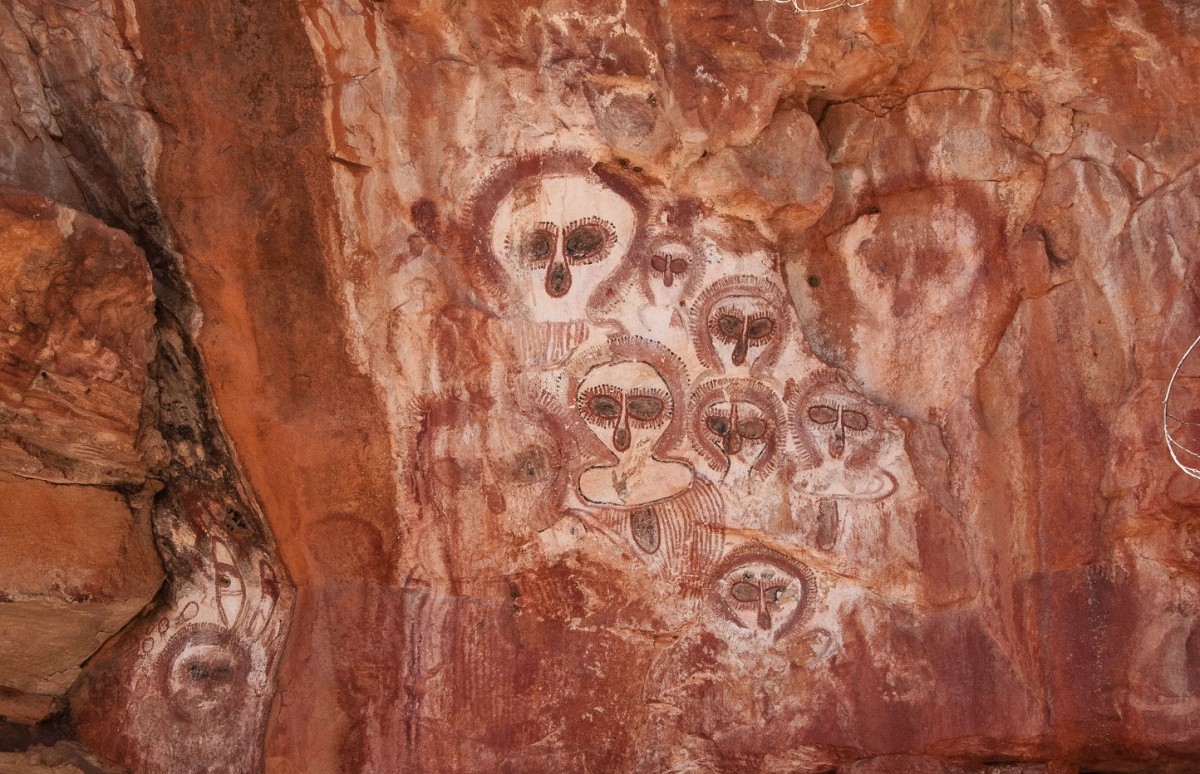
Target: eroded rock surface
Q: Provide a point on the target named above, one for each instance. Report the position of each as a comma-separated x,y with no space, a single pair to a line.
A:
198,666
688,386
77,445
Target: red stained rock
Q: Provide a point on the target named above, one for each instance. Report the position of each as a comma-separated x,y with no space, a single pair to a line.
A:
761,385
77,558
64,597
78,314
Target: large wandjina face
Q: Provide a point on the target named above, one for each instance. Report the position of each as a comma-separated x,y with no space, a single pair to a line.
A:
763,596
480,466
626,405
558,239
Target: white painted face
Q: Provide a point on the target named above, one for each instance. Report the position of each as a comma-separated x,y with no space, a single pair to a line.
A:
740,430
837,422
670,269
761,596
739,327
626,405
559,238
206,674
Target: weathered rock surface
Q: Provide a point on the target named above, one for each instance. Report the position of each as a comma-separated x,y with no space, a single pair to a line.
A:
198,666
688,386
54,758
78,564
77,444
78,333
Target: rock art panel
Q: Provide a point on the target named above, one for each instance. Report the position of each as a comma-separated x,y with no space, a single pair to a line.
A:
199,664
679,386
693,446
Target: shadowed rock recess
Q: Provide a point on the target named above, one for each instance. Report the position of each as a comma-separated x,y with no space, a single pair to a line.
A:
609,386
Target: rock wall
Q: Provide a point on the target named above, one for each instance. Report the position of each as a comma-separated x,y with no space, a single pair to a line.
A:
725,385
78,446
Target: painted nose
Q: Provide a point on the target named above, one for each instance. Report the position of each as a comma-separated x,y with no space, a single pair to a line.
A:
558,276
764,615
731,443
621,436
837,444
743,344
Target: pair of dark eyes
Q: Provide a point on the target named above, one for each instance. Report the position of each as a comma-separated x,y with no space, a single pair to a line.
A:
748,593
750,429
209,671
584,243
729,327
827,415
642,408
662,263
525,467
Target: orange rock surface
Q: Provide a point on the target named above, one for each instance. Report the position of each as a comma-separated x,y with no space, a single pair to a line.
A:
702,385
77,446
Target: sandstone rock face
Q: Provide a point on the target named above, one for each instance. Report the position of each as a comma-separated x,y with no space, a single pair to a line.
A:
198,666
689,386
79,315
77,560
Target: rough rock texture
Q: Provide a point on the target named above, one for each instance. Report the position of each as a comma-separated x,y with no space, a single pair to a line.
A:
197,667
723,385
77,559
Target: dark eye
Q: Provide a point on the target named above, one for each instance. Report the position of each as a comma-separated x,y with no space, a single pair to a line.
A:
645,408
209,672
229,579
822,415
659,263
584,242
539,246
775,593
730,325
678,266
752,428
760,328
744,592
605,406
719,425
855,420
529,466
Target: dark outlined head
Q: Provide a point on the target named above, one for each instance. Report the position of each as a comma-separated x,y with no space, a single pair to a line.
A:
832,421
740,322
629,393
763,591
549,230
736,420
